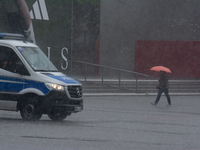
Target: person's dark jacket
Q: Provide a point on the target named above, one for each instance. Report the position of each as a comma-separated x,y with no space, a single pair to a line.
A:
163,81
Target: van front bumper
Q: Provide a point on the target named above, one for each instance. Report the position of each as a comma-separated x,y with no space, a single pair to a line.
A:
68,108
61,102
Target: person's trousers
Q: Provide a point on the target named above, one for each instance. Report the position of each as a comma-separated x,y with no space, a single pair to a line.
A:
160,91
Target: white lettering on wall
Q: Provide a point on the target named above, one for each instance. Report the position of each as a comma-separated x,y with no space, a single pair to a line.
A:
49,52
64,50
65,59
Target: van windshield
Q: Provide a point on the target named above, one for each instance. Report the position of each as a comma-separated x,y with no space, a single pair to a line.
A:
37,59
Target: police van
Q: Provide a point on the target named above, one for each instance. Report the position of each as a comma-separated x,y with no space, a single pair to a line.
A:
31,84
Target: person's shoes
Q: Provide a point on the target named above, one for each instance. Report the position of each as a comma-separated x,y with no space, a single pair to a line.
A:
153,104
168,105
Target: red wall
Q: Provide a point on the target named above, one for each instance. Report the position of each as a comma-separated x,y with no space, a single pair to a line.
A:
181,57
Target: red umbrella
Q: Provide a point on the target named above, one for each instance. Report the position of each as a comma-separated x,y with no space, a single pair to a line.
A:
161,68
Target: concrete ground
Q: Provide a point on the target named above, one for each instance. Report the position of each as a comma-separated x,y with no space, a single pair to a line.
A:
110,123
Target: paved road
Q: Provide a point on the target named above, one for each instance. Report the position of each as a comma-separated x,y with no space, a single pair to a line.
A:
110,123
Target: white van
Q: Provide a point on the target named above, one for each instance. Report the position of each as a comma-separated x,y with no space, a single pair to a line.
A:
31,84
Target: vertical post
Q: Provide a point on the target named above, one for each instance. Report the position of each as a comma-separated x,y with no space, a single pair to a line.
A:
136,83
85,71
72,38
119,79
97,57
102,76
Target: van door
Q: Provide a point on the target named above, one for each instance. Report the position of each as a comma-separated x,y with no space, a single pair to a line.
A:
11,83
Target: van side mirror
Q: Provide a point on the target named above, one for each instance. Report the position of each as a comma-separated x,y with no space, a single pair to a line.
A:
21,69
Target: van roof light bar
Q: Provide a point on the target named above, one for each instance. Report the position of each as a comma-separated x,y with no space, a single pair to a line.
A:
12,36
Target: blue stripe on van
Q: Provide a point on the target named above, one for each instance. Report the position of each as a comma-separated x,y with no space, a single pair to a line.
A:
37,85
65,79
11,84
15,85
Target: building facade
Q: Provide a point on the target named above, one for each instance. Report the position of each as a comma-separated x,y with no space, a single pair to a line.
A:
138,34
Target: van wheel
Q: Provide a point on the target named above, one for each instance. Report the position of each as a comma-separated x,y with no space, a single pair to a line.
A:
30,110
57,116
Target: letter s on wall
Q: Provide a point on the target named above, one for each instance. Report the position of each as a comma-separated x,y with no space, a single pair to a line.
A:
65,59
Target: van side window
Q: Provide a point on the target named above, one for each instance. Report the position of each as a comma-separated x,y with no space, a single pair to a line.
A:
8,59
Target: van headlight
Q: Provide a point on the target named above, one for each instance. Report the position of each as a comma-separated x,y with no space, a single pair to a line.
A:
54,86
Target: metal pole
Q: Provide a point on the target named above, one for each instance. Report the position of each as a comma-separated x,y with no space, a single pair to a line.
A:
85,71
102,76
72,34
119,79
136,83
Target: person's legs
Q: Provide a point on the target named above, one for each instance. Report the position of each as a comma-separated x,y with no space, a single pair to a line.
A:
167,95
160,91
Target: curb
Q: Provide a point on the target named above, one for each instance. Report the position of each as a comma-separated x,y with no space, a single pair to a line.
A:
139,94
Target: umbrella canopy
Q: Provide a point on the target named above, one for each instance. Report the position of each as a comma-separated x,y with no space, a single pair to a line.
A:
161,68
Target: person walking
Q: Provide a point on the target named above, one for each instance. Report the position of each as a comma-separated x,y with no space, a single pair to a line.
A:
163,87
